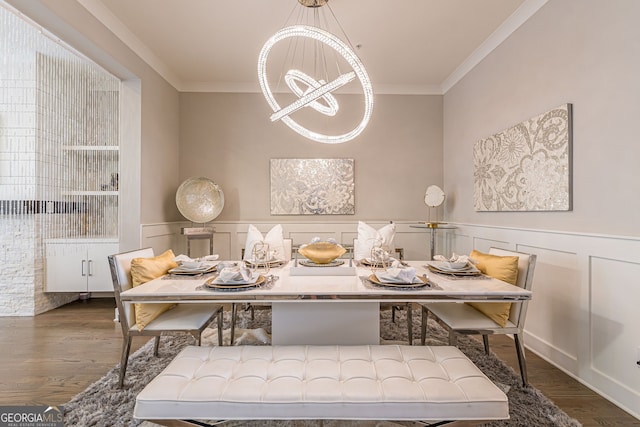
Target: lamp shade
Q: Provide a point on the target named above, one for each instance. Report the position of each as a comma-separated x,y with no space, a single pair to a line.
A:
199,199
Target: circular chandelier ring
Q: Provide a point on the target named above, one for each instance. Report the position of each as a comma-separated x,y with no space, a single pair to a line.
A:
345,51
329,108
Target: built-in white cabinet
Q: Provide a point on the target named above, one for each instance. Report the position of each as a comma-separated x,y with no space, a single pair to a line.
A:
79,265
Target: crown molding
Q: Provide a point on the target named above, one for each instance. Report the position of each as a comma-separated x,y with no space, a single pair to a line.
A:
226,87
109,20
253,87
394,89
508,27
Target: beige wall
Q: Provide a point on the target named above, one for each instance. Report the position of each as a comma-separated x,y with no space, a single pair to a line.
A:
229,138
584,52
71,22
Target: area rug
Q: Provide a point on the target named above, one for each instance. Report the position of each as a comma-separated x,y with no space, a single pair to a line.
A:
103,404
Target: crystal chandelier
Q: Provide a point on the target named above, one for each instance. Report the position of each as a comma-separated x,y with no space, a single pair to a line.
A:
314,63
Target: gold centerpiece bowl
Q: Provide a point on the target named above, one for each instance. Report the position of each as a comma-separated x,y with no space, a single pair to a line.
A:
322,252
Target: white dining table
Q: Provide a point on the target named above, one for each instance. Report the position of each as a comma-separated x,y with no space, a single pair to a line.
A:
328,308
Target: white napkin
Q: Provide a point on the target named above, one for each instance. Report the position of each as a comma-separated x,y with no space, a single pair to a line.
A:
187,264
454,258
398,275
234,275
184,258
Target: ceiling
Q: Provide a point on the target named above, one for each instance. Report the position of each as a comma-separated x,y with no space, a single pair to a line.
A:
407,46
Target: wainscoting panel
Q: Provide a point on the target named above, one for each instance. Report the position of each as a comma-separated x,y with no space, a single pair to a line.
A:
460,242
553,316
615,320
483,244
584,314
161,237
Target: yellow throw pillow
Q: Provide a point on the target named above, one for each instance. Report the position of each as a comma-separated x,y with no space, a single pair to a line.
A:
144,270
504,268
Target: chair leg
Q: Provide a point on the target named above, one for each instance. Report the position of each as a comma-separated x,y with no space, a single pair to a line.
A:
453,338
124,359
234,310
409,309
156,345
485,340
423,324
220,319
521,359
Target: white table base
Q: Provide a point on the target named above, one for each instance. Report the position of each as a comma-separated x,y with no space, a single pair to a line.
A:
325,323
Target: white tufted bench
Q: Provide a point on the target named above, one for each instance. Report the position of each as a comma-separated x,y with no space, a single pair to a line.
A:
378,382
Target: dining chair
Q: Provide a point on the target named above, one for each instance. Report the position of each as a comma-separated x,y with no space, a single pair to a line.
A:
288,247
462,319
183,318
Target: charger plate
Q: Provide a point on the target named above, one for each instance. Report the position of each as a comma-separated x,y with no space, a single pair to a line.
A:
192,271
473,272
369,263
272,264
235,286
309,263
423,282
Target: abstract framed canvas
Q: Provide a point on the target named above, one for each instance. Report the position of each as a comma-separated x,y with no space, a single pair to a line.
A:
526,167
312,187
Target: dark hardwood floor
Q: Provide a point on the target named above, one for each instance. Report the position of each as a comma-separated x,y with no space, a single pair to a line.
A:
49,358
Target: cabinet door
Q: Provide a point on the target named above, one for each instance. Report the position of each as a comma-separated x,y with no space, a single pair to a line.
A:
99,274
67,268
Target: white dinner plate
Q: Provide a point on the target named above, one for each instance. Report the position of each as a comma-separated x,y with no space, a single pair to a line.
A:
444,267
198,270
211,283
418,282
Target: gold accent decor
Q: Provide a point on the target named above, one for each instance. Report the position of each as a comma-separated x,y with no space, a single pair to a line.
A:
322,252
313,3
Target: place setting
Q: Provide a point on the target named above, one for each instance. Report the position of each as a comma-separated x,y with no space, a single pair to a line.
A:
263,257
238,278
194,266
398,277
457,266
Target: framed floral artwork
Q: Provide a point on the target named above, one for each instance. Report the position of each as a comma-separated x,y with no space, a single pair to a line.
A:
312,187
526,167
